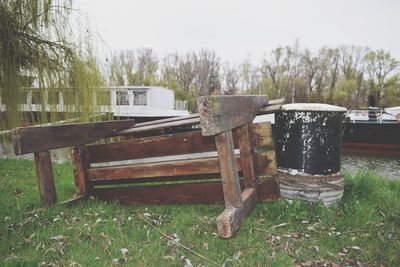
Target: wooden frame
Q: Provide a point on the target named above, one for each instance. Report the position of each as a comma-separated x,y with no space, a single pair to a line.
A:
190,167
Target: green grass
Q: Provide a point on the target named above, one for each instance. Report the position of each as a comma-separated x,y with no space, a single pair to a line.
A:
363,229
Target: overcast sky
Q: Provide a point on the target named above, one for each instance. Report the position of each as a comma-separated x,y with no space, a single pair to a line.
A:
238,28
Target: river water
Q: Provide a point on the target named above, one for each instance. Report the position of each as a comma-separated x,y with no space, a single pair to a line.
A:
385,166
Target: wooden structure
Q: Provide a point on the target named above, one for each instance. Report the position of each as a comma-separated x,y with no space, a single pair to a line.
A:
151,167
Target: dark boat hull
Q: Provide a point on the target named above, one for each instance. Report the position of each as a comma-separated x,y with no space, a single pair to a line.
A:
372,137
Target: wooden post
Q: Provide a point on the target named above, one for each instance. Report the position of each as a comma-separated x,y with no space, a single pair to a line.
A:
246,156
79,158
45,179
238,205
229,174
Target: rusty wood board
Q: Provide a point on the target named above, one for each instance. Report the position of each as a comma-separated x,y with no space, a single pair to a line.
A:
265,162
187,193
264,149
262,135
263,165
157,146
43,138
157,125
229,221
45,178
173,119
79,158
268,190
228,169
166,145
159,169
246,155
222,113
273,106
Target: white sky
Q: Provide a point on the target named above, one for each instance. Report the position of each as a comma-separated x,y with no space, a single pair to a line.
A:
235,29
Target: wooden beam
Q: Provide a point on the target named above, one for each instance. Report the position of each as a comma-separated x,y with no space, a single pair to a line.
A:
273,106
222,113
146,127
43,138
246,156
155,146
229,221
79,158
265,162
229,171
180,193
264,149
158,169
166,145
45,179
262,135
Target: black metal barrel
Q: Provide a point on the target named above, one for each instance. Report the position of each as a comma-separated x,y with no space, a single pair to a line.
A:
308,147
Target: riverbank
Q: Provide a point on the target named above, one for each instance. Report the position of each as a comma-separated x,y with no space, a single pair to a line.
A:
364,229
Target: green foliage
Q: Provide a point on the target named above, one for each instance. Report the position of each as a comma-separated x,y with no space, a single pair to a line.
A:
379,65
344,93
363,229
35,51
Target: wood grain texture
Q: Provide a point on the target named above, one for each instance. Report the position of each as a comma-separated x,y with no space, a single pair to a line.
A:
159,169
228,169
222,113
273,106
262,135
166,145
79,159
157,125
45,178
229,221
157,146
246,156
43,138
183,193
264,149
265,162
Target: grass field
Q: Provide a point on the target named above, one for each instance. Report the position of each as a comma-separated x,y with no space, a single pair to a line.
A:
363,230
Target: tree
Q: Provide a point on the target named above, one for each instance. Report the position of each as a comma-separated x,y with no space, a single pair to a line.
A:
231,79
34,50
207,67
379,64
32,44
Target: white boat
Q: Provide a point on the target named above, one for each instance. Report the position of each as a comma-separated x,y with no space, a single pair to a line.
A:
122,101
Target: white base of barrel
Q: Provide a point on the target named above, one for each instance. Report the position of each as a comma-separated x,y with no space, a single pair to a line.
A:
311,188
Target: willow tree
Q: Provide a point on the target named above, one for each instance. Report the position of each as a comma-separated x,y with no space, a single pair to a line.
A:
34,45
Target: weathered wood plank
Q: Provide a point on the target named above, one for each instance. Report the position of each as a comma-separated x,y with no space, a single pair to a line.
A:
229,221
173,119
160,169
265,162
262,135
229,170
43,138
246,156
222,113
79,158
273,106
166,145
264,152
157,146
45,179
210,192
268,190
188,193
140,128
